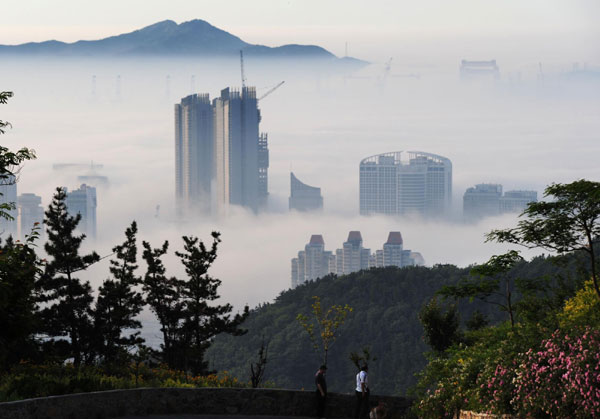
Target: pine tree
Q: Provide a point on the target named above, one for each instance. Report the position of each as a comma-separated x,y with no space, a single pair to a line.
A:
119,303
67,315
163,295
202,322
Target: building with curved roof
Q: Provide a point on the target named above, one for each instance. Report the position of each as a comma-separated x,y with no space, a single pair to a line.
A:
304,197
411,182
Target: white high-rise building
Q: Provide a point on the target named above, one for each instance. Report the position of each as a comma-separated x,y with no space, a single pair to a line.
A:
313,262
354,256
83,201
410,183
8,195
30,213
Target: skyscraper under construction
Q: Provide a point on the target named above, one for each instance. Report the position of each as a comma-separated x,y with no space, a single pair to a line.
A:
220,158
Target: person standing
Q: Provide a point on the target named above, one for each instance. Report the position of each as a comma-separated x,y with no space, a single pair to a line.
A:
321,390
362,393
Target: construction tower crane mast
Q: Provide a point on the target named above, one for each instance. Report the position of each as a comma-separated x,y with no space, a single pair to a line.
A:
242,68
244,78
271,90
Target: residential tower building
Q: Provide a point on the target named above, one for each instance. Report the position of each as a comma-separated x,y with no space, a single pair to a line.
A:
401,184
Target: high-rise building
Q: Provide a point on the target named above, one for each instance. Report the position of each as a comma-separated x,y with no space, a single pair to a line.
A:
8,195
354,256
482,200
420,184
83,201
304,197
220,158
394,254
193,154
236,149
516,201
30,213
313,262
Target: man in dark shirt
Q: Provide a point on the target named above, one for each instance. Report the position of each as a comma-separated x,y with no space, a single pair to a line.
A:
321,390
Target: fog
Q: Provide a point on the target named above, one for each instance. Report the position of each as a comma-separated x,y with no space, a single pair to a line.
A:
524,131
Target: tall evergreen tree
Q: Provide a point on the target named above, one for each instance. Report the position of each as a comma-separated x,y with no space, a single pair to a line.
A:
201,321
67,316
163,295
119,303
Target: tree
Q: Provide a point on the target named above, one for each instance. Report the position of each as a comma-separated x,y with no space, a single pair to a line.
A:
68,300
201,321
567,223
327,322
440,327
491,282
19,270
163,295
361,359
257,369
10,163
119,303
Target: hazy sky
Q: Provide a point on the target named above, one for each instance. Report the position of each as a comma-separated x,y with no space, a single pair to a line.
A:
373,29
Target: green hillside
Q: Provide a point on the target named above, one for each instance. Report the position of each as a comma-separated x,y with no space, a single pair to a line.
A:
386,303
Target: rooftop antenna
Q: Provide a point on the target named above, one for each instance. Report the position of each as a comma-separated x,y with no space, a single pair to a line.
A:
193,83
346,54
242,70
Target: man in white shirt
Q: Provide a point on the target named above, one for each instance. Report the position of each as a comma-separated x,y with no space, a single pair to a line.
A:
362,393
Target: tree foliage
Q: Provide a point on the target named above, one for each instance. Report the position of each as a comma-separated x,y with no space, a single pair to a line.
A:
491,283
440,327
10,162
570,221
328,324
119,303
201,320
67,312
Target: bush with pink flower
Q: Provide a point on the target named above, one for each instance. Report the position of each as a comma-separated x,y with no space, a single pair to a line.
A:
559,380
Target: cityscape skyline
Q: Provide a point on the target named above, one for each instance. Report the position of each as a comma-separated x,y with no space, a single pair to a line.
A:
321,125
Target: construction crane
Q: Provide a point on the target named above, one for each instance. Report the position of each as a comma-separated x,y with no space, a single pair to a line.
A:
271,90
242,68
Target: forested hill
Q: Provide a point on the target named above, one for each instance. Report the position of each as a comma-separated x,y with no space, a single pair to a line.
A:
386,303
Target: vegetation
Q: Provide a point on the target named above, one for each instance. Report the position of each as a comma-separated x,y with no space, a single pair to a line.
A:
28,380
386,304
328,323
543,361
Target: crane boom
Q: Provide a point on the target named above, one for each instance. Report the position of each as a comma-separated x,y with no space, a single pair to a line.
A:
271,91
242,69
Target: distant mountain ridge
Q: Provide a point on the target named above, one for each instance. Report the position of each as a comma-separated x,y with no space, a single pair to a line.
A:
193,38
